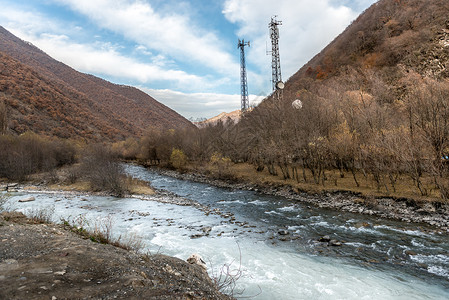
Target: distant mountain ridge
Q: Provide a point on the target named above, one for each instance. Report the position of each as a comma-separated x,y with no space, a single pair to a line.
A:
233,116
47,96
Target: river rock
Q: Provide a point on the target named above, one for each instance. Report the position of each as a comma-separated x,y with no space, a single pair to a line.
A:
362,224
195,236
411,252
324,239
334,243
137,283
10,187
195,259
9,265
283,232
206,230
29,199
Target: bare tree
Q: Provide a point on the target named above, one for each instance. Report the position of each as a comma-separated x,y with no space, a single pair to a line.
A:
429,115
103,170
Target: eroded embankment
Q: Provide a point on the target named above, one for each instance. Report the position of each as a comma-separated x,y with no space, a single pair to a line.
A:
48,261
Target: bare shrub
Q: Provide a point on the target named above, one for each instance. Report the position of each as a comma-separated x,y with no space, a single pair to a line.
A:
73,173
28,153
371,202
227,276
3,117
103,171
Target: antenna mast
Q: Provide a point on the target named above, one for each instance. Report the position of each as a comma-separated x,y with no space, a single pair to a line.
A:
243,79
275,57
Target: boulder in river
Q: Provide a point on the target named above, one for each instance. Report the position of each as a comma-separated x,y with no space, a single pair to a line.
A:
29,199
334,243
410,252
195,259
206,230
196,236
283,232
362,224
324,239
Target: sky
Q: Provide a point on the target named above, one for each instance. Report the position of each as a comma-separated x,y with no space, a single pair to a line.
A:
181,52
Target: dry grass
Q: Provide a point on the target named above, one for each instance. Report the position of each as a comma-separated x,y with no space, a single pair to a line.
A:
135,186
101,231
78,186
67,182
139,187
40,214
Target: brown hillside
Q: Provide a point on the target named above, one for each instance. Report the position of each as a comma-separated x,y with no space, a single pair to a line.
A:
87,104
48,107
374,104
390,38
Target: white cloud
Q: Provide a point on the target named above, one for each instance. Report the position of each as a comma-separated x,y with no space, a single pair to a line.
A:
198,105
172,44
104,59
144,50
100,58
172,34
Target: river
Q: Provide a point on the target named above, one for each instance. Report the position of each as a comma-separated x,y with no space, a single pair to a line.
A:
271,241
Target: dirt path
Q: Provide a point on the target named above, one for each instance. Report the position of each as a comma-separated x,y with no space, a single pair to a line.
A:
46,261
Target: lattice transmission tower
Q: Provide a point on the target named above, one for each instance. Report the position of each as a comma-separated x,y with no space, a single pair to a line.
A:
276,78
243,79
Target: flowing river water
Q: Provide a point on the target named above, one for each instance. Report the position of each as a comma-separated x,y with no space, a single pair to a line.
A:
273,241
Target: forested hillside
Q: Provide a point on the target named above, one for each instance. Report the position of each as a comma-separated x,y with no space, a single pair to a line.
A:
35,103
46,96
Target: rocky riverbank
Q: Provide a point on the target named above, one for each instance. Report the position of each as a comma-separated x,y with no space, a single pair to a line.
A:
435,214
48,261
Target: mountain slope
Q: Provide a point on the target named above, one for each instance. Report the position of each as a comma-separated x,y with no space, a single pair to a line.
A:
85,101
39,104
390,37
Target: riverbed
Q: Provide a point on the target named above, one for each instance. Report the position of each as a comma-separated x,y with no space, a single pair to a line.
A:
282,249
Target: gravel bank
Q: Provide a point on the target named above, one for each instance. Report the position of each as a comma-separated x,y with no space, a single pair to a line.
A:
435,214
